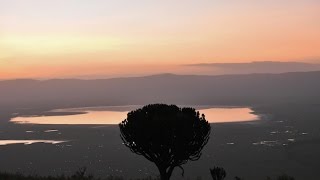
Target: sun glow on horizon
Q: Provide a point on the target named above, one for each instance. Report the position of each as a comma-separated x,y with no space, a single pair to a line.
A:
42,39
48,45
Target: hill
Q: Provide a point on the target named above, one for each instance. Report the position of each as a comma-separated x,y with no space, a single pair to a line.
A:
255,67
166,88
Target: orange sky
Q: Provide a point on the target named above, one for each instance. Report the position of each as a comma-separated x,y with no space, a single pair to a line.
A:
97,38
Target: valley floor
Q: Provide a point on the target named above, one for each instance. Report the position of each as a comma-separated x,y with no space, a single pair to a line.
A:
285,140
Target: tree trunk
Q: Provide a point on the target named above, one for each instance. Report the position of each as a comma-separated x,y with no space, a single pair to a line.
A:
164,175
165,172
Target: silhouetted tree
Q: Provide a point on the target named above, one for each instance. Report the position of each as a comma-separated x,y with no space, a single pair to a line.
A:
166,135
218,173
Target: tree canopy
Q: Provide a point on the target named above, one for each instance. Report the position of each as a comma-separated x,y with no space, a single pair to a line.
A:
166,135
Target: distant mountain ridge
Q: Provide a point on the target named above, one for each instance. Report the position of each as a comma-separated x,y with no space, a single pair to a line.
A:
257,67
167,88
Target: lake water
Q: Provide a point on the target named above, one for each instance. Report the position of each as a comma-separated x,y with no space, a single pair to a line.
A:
28,142
115,114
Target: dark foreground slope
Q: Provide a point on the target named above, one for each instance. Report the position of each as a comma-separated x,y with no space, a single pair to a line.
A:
167,88
8,176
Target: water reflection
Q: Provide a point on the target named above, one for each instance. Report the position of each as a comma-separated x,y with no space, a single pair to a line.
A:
90,117
223,115
114,116
28,142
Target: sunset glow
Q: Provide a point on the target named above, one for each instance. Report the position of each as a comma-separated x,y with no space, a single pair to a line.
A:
84,39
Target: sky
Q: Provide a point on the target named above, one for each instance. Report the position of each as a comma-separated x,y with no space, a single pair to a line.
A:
104,38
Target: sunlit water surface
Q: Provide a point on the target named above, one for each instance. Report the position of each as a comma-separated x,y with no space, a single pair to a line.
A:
114,115
28,142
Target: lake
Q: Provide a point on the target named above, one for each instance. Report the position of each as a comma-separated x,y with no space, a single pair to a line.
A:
115,114
28,142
